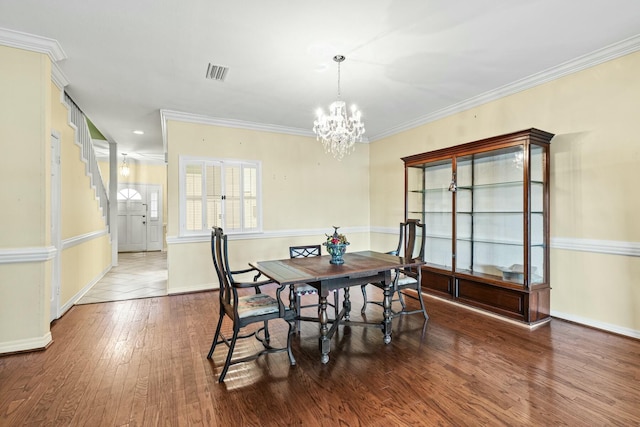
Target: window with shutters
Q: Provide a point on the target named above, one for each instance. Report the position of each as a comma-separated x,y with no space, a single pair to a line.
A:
223,193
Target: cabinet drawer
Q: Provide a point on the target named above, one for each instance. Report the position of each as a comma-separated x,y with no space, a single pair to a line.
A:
498,300
439,283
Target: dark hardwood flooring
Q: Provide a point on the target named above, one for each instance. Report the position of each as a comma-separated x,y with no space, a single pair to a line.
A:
143,362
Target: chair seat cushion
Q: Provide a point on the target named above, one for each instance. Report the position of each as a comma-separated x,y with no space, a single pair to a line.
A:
304,289
406,280
255,305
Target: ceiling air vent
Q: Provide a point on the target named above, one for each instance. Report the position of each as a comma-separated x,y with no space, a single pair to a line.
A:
216,72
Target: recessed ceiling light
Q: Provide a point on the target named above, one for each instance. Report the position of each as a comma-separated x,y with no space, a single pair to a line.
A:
138,132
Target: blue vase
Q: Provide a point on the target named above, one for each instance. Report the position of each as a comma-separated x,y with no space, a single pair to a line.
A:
336,251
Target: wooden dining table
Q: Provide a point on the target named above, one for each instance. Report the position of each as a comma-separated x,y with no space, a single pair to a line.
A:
359,268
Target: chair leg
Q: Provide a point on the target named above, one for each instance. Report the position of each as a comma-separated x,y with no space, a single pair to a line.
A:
227,362
336,298
267,337
424,311
216,336
292,360
401,298
298,313
363,288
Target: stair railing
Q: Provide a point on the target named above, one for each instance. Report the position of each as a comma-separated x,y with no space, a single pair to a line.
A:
83,139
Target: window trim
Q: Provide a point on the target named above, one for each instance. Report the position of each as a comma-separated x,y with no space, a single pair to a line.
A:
205,161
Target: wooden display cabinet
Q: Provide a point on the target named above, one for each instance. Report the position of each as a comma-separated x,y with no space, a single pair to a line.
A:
485,205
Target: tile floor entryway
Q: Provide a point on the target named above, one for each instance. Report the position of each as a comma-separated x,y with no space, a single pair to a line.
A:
138,275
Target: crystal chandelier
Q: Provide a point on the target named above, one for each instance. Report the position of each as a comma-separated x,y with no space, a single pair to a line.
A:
338,131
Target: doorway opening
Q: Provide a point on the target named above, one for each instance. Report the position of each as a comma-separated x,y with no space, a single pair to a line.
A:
140,226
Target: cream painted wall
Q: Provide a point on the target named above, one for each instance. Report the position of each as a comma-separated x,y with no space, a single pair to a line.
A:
595,167
140,173
25,128
82,266
303,189
24,309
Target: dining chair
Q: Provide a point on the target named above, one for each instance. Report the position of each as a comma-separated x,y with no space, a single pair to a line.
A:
411,246
244,310
302,289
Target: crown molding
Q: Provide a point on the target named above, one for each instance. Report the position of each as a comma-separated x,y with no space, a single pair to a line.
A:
181,116
58,77
39,44
616,50
33,43
232,123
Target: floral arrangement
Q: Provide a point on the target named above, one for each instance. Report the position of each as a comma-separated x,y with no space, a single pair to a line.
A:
336,238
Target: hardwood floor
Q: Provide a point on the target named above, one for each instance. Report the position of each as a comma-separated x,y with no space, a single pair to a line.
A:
143,362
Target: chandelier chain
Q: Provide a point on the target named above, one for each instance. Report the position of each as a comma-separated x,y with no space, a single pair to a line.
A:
339,80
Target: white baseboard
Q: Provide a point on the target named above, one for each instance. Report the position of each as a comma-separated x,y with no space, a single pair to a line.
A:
597,325
607,327
28,344
190,289
74,299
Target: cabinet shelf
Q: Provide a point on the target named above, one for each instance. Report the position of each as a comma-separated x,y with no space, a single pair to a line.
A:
474,187
497,220
494,212
438,236
496,185
496,242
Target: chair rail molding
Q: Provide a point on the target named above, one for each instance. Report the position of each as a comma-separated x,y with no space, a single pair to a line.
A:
33,254
611,247
82,238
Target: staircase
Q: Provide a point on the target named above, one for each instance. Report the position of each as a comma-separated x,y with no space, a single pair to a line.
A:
78,120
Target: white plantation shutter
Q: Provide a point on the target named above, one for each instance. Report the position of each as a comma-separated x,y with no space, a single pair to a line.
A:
250,196
193,194
233,198
219,193
214,196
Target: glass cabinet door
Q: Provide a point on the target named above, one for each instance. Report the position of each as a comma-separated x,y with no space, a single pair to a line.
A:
537,249
430,201
490,214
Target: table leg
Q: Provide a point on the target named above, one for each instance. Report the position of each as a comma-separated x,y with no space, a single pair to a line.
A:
346,304
292,299
292,305
324,341
386,304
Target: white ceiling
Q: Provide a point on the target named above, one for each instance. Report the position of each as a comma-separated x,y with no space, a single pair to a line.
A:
406,59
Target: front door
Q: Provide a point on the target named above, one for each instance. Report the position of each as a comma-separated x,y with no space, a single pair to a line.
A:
139,217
